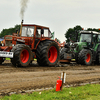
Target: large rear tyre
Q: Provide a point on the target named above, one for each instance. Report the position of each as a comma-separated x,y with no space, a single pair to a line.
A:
98,58
85,57
47,53
22,55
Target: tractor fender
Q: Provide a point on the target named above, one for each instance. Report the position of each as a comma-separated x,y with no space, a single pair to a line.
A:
98,48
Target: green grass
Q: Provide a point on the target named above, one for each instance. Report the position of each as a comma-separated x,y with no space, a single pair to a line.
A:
88,92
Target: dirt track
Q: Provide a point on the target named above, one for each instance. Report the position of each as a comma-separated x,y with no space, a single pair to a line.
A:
19,79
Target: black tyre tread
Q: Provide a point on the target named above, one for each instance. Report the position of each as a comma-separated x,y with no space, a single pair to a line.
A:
82,56
41,53
98,58
13,60
41,50
16,60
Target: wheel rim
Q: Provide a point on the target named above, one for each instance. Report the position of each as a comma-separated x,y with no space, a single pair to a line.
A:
52,54
24,56
88,57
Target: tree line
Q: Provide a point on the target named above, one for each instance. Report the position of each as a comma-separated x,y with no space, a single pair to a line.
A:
71,33
9,31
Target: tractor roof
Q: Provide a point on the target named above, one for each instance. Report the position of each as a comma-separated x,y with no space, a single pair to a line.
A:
39,26
91,32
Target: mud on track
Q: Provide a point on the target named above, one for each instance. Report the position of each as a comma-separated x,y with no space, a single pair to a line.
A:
14,79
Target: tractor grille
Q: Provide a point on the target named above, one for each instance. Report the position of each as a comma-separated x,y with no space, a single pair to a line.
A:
8,43
8,37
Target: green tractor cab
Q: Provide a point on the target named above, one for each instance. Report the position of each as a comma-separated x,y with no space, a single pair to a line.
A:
85,51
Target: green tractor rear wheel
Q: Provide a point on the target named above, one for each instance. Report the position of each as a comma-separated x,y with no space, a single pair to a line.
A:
98,58
85,57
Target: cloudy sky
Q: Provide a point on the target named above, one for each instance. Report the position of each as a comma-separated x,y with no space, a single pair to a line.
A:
59,15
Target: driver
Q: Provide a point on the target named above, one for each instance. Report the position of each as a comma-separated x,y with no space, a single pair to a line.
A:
37,34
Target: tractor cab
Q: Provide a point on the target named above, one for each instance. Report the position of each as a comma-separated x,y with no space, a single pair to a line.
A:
90,38
85,37
35,34
98,38
36,31
27,31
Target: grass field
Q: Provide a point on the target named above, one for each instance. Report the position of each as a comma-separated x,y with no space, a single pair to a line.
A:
87,92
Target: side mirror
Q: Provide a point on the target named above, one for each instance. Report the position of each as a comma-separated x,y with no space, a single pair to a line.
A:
42,31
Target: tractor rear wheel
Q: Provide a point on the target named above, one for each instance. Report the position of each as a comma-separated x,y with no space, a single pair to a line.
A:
22,55
47,53
98,58
85,57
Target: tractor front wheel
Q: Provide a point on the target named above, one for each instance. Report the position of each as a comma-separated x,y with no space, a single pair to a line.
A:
22,55
85,57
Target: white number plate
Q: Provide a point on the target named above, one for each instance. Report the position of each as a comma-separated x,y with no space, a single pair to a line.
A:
6,54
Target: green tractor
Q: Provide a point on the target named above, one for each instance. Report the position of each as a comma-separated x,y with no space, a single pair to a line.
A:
85,51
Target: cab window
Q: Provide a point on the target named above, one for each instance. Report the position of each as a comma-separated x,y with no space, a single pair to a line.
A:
27,31
98,39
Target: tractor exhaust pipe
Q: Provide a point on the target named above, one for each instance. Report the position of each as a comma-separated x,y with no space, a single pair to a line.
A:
21,28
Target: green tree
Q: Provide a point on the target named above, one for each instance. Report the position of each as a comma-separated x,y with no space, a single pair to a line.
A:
58,41
93,29
71,33
9,31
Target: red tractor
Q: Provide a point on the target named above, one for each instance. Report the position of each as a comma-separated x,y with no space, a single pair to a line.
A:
33,41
